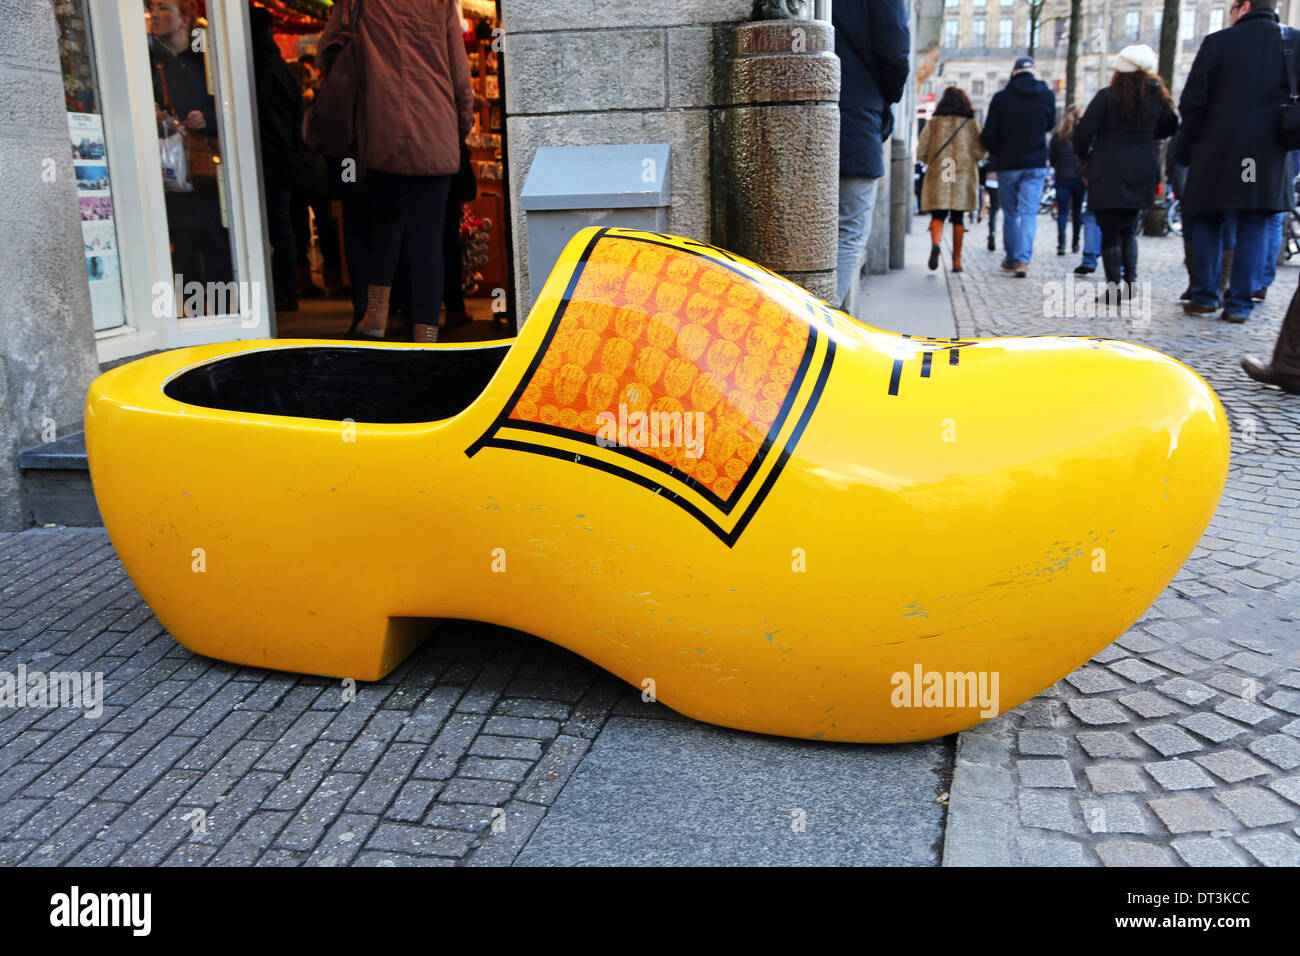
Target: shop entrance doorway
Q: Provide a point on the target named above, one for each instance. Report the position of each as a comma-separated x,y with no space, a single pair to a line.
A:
478,303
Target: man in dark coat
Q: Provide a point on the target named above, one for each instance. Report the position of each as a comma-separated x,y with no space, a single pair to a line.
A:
1020,116
279,116
200,242
872,41
1234,153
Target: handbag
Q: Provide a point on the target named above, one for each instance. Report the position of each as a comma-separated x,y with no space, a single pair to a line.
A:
332,126
189,157
464,188
1289,120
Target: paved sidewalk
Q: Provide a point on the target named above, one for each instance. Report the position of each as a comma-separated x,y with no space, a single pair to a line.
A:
1179,743
485,743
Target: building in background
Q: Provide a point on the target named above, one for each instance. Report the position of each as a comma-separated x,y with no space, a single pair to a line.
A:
980,39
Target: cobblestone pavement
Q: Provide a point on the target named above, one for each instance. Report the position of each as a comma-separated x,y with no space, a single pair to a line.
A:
455,757
1179,743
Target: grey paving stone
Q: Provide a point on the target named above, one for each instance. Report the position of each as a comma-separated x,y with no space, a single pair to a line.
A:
1178,775
1137,671
1234,685
1186,691
491,792
1292,728
1289,787
1147,704
1045,773
516,748
1049,851
1139,643
1277,749
495,769
1257,665
1244,711
512,827
1272,849
1047,811
419,841
413,800
1176,661
1106,743
1287,700
1132,853
1232,765
1108,654
1114,816
1187,814
1212,727
1206,851
1208,648
1096,712
732,800
1044,713
1093,680
1170,741
1256,807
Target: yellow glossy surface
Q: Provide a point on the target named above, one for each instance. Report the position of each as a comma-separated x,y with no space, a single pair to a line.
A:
1003,506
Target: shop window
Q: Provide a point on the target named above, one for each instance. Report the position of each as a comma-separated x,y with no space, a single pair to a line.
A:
90,165
193,174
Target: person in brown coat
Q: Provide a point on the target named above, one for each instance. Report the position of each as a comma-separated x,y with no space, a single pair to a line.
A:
418,109
951,149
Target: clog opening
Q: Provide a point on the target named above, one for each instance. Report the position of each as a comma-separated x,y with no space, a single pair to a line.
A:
365,384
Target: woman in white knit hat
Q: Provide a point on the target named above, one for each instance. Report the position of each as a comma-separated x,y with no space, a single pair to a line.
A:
1116,140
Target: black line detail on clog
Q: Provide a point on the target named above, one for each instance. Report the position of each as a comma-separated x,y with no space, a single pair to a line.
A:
491,438
925,364
502,415
895,376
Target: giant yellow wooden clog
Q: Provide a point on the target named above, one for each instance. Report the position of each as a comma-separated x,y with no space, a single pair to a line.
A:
685,469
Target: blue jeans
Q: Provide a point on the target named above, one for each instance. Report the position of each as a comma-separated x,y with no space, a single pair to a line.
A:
1091,240
1069,200
1276,222
857,203
1247,264
1020,192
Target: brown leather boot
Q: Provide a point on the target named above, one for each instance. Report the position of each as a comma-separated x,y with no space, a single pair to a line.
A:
375,323
936,236
423,333
958,234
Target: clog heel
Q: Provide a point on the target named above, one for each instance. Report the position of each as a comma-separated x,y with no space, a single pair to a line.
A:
687,470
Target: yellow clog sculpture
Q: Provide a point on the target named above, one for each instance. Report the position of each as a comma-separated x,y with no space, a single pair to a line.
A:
687,470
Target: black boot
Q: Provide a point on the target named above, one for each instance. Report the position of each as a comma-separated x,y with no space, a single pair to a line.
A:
1060,242
1074,246
1130,253
1112,259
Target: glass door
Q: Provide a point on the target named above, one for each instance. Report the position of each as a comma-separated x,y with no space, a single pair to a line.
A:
193,236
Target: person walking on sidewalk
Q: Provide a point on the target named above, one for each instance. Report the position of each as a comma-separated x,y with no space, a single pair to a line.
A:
1284,370
989,192
1231,107
872,42
1116,136
1015,133
951,150
1069,184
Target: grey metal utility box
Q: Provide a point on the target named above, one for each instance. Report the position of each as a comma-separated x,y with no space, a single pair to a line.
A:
571,187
